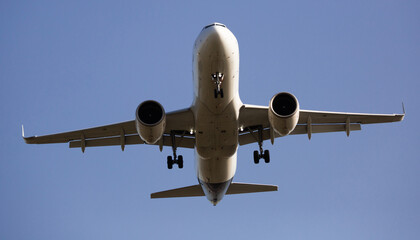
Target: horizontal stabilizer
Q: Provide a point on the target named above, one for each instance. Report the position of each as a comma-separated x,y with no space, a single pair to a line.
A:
190,191
237,188
196,190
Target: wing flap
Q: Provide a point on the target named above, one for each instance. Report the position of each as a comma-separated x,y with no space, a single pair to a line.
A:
325,128
184,142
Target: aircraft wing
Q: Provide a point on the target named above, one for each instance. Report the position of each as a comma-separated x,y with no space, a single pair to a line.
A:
254,118
124,133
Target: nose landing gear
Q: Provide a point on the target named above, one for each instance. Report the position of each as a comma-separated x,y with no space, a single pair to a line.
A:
217,92
217,77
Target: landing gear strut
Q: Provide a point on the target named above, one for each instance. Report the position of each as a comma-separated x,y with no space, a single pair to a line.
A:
175,159
261,154
218,79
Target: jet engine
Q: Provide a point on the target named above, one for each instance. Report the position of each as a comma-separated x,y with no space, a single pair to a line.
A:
283,113
150,121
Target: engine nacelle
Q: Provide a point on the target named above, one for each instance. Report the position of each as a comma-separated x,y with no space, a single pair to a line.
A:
283,113
150,121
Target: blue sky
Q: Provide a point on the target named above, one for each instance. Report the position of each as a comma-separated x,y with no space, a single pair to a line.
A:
77,64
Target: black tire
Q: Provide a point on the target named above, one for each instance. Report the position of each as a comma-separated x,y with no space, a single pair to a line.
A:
266,156
180,161
170,162
256,157
215,93
221,93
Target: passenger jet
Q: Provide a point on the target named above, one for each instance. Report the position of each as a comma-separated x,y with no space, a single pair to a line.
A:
216,123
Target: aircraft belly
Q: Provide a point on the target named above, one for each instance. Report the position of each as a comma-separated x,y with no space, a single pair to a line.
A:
216,169
216,137
216,144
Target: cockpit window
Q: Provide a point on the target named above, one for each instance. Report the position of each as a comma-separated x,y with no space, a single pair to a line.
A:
214,24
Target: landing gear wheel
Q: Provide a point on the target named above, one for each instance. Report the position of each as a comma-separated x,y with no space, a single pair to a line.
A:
170,162
215,93
256,157
180,161
266,156
221,93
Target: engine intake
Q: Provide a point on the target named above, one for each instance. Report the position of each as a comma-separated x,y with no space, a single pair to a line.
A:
283,113
150,121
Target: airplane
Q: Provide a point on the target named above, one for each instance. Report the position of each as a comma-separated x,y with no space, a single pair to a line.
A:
216,123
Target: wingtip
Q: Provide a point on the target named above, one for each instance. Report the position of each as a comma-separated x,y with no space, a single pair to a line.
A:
402,117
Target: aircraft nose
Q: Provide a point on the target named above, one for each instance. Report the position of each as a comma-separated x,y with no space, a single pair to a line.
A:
213,34
214,25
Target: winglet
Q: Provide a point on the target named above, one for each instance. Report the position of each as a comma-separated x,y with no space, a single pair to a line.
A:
27,139
403,108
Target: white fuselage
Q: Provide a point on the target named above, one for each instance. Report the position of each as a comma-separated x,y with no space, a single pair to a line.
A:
216,118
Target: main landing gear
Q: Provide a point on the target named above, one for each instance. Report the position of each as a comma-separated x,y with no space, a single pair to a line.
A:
261,154
175,159
258,156
218,79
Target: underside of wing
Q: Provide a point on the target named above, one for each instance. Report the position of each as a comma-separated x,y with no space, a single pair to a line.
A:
125,128
254,123
178,125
